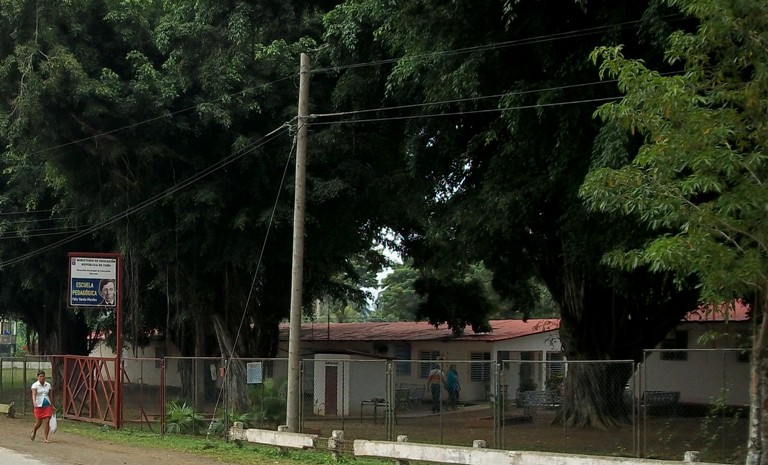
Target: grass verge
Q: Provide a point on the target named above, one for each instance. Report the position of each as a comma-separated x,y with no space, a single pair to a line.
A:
238,452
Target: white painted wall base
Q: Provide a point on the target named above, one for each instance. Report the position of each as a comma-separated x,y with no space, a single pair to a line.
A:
404,451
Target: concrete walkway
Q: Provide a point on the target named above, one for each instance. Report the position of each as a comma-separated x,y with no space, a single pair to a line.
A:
9,457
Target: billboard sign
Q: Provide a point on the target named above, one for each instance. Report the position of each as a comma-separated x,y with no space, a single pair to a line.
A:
92,281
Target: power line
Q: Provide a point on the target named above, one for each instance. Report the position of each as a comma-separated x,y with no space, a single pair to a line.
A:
468,112
35,211
576,33
462,100
156,118
55,232
152,200
496,45
37,220
262,141
258,267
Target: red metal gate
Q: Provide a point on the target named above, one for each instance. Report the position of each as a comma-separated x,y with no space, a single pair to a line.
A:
91,389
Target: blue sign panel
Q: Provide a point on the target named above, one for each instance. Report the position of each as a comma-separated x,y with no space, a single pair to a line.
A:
85,292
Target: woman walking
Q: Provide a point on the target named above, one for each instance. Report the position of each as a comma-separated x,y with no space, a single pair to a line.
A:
42,400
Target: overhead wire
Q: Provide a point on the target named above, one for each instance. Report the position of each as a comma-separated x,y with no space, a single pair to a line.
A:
34,211
152,200
525,41
473,49
37,233
156,118
228,360
463,112
496,45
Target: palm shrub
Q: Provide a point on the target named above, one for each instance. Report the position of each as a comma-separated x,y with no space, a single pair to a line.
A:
184,419
217,427
269,401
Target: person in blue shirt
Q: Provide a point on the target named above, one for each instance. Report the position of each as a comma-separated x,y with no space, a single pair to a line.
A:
452,386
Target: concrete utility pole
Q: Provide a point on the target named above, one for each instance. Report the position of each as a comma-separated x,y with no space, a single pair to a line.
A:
297,273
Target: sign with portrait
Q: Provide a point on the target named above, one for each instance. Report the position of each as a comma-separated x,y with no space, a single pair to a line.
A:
92,281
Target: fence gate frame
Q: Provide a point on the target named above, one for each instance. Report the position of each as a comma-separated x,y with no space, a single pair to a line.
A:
91,389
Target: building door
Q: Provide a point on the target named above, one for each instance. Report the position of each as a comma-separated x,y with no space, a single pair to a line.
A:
331,389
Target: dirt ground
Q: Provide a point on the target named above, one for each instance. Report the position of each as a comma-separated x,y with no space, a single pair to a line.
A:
70,449
662,437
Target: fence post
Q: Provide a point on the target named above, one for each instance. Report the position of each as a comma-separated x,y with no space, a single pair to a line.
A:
402,438
692,456
336,443
390,399
498,404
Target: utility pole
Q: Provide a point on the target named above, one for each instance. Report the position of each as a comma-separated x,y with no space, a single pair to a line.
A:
297,269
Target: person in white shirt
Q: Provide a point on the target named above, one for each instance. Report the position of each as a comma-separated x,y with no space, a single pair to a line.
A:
435,381
42,400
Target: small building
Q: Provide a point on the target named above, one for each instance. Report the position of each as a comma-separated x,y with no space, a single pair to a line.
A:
341,381
416,346
8,331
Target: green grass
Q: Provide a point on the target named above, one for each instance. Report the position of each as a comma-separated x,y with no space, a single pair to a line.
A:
236,452
13,378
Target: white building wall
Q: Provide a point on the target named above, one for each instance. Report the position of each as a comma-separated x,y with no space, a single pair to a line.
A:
356,380
707,371
456,352
140,368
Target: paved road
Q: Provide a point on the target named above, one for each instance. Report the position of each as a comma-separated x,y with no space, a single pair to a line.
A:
9,457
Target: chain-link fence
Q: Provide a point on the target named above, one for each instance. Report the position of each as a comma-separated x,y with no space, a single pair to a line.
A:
693,400
16,377
143,393
658,409
564,406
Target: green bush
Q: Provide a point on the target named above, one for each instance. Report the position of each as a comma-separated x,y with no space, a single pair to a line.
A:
269,401
184,419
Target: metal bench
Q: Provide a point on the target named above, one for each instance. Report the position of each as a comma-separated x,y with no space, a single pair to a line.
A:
660,398
530,401
377,403
409,395
653,402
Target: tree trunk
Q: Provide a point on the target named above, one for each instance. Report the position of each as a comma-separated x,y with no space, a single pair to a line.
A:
604,320
235,378
758,389
199,364
593,395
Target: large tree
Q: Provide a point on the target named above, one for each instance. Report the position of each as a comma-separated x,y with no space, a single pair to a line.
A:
504,135
158,127
699,180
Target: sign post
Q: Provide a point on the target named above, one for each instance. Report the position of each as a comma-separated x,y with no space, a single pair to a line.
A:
95,281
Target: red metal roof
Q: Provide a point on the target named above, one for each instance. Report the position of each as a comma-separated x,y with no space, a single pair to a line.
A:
418,331
502,329
733,311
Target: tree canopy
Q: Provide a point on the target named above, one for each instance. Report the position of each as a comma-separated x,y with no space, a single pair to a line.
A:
500,124
699,179
162,130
